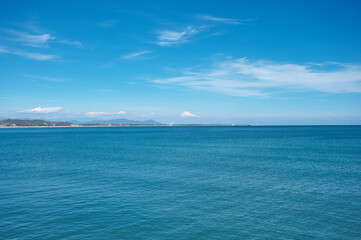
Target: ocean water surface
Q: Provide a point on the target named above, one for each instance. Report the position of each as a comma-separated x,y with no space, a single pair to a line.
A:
181,183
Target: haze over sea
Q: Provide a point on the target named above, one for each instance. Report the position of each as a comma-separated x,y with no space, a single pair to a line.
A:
296,182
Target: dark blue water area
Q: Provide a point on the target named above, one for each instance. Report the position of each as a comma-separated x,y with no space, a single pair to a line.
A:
296,182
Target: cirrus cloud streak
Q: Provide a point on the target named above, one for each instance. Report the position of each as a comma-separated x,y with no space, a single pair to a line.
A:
134,55
217,19
29,55
170,37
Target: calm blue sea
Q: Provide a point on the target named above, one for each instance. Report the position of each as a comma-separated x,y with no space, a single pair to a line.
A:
181,183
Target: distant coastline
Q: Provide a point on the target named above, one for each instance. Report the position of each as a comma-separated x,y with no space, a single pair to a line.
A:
37,123
134,125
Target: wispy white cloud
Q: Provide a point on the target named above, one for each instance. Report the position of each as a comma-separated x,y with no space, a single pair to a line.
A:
97,114
170,37
134,55
29,55
18,42
35,56
40,40
41,110
68,42
241,77
44,78
3,50
33,40
188,114
217,19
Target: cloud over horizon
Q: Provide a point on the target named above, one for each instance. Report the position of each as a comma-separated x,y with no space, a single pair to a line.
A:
41,110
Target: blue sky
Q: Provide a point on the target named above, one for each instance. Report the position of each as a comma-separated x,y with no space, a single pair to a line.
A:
243,62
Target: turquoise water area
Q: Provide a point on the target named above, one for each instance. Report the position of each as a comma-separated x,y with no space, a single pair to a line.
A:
181,183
